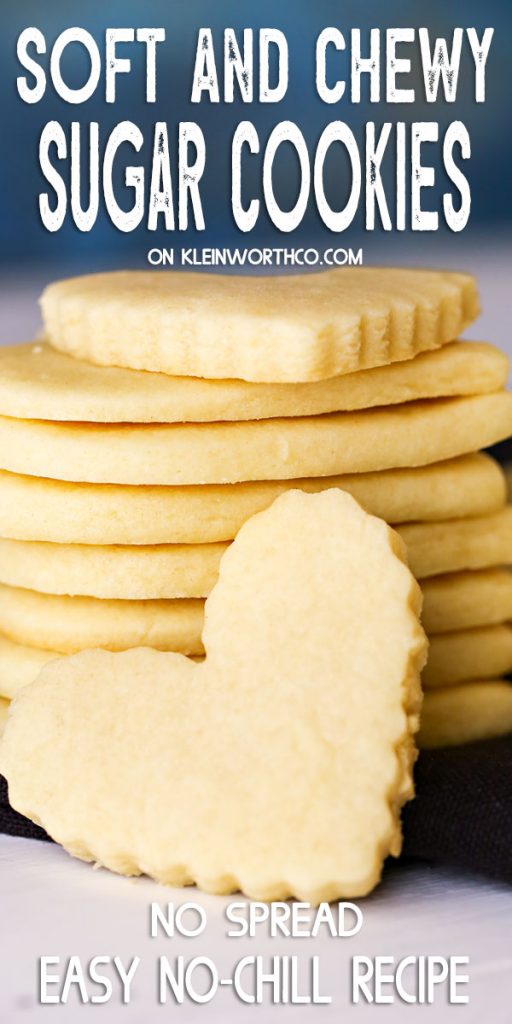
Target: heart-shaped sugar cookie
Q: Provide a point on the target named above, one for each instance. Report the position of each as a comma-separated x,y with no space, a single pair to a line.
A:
279,764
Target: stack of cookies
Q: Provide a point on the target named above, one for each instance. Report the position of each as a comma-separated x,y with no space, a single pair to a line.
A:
164,409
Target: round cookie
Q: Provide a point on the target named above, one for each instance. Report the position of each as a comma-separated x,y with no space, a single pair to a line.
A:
286,327
128,573
60,512
20,665
461,714
191,570
4,708
484,652
69,624
37,382
453,658
414,434
458,544
462,600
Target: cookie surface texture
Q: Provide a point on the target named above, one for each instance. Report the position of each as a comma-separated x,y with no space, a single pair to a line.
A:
465,713
462,600
303,327
70,624
414,434
37,382
320,818
481,653
19,665
128,573
4,708
32,508
456,601
159,571
457,544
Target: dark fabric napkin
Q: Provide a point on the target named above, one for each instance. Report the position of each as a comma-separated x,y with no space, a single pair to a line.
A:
462,814
461,817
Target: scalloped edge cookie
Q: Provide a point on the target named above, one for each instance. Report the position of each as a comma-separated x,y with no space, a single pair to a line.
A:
318,816
275,328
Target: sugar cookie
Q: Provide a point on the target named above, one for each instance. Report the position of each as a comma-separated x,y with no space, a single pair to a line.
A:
414,434
20,665
104,571
190,570
51,510
484,653
457,601
461,600
277,328
293,591
436,548
462,714
69,624
37,382
4,707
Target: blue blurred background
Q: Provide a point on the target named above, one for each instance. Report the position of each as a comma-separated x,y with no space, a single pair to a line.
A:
24,241
30,256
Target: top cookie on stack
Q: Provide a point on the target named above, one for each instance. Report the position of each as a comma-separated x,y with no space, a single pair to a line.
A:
393,405
283,329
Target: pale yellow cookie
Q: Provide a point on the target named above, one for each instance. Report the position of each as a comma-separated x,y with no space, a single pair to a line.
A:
456,544
250,774
20,665
69,624
462,600
414,434
4,707
51,510
484,653
461,714
190,570
37,382
277,328
135,572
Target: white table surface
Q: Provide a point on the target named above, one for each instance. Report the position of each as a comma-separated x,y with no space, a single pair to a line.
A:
53,905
